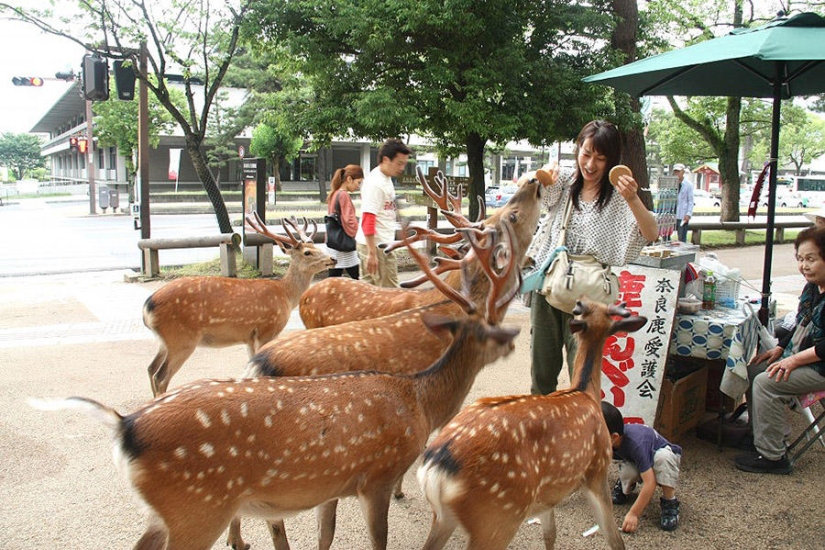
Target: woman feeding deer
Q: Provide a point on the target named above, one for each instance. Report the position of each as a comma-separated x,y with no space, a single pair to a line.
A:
595,208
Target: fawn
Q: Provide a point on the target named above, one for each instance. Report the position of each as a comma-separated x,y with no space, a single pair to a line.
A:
502,460
221,311
271,447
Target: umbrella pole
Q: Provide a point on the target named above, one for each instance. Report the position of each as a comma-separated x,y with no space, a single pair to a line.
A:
764,311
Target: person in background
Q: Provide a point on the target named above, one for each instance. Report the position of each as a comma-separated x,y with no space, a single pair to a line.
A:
684,202
648,457
379,215
345,181
611,223
794,367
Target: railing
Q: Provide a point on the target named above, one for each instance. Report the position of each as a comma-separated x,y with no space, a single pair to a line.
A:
696,228
228,243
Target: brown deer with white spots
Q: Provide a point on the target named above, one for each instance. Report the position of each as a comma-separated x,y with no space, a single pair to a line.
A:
398,343
502,460
221,311
339,300
271,447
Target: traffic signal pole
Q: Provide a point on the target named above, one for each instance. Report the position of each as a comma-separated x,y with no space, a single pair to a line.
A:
143,147
90,157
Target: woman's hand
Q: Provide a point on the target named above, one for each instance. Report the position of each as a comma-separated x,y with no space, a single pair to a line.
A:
769,356
627,187
550,174
781,370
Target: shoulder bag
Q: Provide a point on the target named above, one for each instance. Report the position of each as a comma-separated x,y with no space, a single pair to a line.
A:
337,238
573,276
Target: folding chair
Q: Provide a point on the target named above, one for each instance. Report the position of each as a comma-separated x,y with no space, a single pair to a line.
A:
815,430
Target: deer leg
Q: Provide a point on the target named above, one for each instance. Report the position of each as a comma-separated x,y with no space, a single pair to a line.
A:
174,361
154,538
198,531
325,515
376,507
598,494
233,538
397,491
440,531
548,528
157,363
278,533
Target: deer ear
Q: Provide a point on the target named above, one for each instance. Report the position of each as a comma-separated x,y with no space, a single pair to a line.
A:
502,335
439,324
631,324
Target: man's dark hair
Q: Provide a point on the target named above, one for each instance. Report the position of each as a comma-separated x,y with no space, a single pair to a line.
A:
613,418
392,147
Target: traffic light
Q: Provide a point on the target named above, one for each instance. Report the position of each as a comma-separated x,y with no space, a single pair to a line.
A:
27,81
73,142
95,78
82,145
125,79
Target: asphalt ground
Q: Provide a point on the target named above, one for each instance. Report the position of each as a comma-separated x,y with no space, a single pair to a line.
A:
81,334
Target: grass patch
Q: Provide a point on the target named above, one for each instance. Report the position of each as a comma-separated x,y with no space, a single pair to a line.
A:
727,239
213,268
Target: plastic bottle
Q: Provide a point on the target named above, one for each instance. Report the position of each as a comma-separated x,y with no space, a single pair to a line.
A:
709,291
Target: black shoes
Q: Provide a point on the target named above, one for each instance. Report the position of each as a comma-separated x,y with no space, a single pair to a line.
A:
758,464
670,514
618,495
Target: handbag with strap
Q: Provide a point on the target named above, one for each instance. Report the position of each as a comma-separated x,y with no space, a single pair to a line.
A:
337,238
573,276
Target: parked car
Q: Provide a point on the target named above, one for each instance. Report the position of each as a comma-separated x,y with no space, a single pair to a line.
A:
784,199
703,199
499,196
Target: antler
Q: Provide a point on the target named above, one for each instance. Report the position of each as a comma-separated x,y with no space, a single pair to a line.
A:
496,259
421,234
255,223
449,204
293,222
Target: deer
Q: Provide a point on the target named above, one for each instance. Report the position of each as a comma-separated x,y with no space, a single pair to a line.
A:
398,343
338,300
222,311
209,450
502,460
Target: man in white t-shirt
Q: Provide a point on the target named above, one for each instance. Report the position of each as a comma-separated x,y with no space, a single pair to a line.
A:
378,215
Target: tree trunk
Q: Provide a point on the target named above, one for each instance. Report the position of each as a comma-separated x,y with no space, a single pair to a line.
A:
276,171
635,155
209,184
729,163
475,163
322,169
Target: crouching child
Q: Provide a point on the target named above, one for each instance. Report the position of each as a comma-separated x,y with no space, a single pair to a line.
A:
645,457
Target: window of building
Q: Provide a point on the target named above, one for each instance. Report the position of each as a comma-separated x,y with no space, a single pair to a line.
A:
308,170
112,158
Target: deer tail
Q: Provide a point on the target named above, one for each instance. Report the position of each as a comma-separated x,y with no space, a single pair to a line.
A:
102,413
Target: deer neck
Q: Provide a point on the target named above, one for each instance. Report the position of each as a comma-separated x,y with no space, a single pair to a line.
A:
295,281
442,387
587,370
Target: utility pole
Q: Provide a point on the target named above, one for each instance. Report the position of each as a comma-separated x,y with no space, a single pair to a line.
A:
143,146
90,157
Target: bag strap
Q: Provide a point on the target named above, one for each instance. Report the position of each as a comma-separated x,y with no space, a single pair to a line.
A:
568,211
338,203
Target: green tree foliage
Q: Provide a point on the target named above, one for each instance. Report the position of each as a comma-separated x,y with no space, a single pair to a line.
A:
20,153
276,144
195,39
116,125
464,73
801,139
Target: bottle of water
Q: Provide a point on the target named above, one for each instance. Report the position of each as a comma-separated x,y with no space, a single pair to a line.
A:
709,291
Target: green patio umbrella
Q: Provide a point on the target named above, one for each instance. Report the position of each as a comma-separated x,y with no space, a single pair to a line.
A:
780,60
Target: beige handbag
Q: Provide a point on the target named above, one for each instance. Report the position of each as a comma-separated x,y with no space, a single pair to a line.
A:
573,276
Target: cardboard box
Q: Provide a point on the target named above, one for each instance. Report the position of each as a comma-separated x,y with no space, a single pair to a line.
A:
681,404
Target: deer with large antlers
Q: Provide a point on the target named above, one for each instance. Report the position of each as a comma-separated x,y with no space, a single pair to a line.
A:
339,300
221,311
270,447
505,459
398,343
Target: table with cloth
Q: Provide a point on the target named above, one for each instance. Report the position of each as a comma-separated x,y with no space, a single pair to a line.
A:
729,334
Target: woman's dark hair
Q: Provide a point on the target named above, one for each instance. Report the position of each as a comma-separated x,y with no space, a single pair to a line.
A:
613,418
605,139
340,176
815,234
